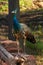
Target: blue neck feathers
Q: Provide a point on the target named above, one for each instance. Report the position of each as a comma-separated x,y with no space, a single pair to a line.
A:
16,23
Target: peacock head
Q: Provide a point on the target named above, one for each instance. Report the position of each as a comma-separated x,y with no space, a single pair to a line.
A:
14,11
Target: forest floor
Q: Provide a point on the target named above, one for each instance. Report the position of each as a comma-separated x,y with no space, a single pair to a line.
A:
39,60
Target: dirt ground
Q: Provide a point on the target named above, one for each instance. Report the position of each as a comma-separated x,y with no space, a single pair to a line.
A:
39,60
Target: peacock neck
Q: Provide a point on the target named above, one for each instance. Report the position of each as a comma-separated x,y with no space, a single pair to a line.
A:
15,17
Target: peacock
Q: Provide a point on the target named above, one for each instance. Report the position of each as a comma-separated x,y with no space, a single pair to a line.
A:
22,28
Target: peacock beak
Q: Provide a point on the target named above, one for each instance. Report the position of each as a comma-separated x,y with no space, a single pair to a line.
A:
13,12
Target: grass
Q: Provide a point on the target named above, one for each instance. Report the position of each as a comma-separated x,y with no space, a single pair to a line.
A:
36,49
26,3
39,45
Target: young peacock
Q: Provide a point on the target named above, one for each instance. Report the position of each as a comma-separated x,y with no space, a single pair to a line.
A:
23,29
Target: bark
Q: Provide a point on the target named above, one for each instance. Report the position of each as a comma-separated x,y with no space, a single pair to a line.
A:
13,4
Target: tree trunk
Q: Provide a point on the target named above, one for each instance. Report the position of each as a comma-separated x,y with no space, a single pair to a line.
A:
13,4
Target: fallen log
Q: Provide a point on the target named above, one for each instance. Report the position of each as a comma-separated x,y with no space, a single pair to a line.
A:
6,56
11,46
